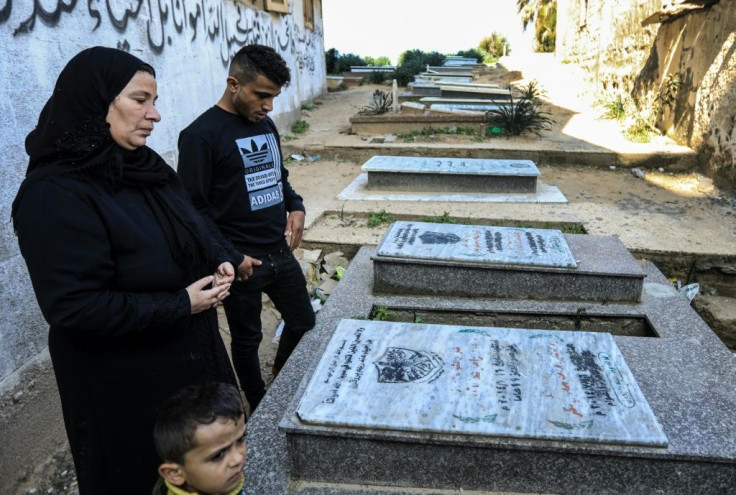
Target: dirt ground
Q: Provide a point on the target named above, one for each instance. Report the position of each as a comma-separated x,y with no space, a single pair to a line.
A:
665,211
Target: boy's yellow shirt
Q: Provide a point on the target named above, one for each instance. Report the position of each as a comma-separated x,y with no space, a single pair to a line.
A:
175,490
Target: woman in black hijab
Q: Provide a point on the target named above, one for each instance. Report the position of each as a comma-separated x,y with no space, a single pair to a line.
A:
125,271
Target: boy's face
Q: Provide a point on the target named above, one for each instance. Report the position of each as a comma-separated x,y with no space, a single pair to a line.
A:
215,465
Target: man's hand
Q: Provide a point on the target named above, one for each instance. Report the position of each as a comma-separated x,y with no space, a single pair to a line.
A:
245,269
295,228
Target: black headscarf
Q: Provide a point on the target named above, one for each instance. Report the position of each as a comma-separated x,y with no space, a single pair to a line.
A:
72,138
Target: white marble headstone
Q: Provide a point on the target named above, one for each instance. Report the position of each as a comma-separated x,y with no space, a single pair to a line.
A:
481,381
469,166
476,243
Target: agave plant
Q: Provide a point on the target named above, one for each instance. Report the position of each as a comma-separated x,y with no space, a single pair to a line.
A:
522,115
381,103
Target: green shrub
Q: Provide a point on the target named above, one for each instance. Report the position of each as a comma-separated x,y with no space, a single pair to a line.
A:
640,131
299,127
381,313
378,218
377,76
444,218
615,109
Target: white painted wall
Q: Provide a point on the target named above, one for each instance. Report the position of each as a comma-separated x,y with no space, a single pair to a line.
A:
188,42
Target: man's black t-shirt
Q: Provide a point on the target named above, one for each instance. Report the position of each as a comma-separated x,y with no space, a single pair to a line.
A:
234,173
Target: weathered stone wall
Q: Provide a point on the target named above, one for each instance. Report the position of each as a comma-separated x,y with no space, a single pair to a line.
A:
189,43
682,71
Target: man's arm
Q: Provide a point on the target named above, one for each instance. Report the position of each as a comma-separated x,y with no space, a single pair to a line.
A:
294,203
195,170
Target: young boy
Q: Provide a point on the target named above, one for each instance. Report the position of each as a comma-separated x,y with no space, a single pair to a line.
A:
200,436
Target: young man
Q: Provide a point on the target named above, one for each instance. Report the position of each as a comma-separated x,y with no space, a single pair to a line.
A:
231,164
200,437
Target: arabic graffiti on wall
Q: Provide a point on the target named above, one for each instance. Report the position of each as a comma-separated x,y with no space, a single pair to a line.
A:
231,25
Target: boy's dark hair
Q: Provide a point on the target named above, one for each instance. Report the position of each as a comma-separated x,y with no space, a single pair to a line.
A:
252,60
180,415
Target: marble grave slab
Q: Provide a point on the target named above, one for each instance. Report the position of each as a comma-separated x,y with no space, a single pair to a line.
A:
477,244
570,386
416,173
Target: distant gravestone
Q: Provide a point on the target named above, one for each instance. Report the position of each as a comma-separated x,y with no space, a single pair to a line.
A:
442,78
571,386
426,90
486,175
456,91
476,244
475,107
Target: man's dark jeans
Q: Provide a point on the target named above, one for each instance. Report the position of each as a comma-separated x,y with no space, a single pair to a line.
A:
281,277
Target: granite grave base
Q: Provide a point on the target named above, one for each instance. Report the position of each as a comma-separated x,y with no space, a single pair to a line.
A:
412,258
685,373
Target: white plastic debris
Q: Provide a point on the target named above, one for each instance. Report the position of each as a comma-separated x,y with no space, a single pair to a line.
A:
689,291
638,173
297,157
316,305
279,329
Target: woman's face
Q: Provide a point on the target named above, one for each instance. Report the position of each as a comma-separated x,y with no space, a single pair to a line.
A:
132,113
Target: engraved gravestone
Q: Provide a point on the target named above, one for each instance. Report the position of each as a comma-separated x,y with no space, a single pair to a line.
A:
572,386
416,173
477,244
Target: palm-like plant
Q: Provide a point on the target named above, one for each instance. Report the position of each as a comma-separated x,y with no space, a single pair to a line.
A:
522,115
381,103
544,12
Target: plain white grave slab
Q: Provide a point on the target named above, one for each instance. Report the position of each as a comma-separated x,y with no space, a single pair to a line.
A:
466,107
473,85
431,100
441,78
474,89
448,111
357,190
451,166
476,244
372,68
559,385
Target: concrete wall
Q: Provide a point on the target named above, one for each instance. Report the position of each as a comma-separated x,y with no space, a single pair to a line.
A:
189,43
608,41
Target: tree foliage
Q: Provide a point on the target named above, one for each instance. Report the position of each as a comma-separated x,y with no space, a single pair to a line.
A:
471,53
337,63
412,62
493,45
383,60
544,14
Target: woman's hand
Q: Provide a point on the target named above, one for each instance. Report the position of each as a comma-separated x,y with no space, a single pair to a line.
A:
201,299
225,274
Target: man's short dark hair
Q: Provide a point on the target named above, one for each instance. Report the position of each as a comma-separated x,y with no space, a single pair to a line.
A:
181,414
252,60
